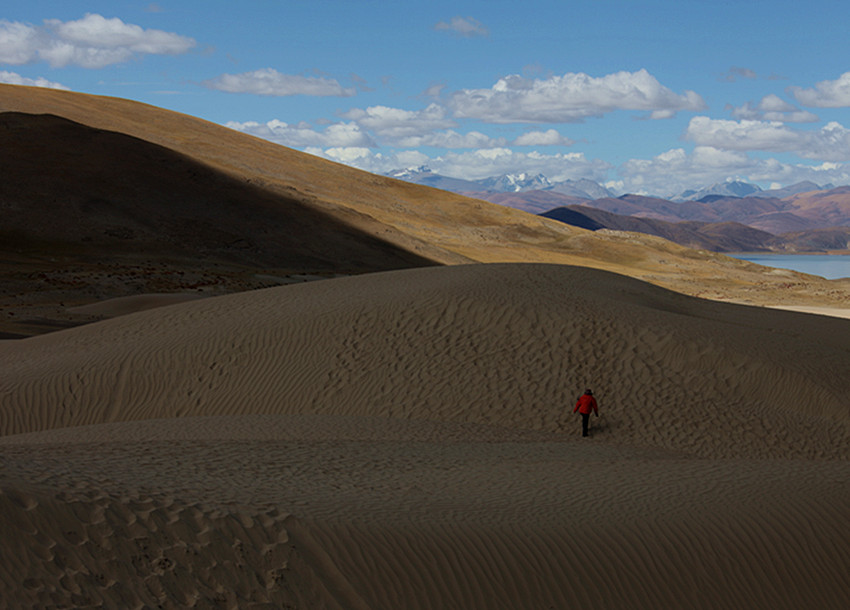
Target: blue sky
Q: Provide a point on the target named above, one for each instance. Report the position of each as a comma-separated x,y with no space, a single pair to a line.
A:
648,97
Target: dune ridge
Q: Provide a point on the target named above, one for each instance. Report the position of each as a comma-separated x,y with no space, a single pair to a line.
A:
497,344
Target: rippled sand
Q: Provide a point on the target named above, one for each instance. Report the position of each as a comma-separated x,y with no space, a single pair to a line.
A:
405,440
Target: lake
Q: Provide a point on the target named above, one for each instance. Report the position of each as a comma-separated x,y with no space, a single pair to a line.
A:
830,266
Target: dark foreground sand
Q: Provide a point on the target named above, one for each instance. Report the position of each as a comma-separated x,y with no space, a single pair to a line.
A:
403,440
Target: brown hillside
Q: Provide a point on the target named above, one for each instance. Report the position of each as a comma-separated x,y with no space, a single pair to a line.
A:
154,189
827,208
535,202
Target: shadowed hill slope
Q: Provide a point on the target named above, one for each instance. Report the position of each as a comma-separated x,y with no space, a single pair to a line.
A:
717,237
250,208
100,194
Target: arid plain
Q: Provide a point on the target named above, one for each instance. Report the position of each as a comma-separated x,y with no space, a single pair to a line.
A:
210,430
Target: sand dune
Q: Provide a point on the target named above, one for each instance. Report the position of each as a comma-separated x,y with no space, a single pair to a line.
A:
343,512
497,344
399,439
403,440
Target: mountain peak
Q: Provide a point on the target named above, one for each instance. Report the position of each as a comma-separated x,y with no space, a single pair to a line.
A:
515,183
730,188
409,172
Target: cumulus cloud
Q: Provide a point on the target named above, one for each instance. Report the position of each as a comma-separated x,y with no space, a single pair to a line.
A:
476,164
463,26
772,108
350,155
449,139
394,123
369,128
269,81
825,94
91,42
12,78
666,174
673,171
550,137
829,143
473,164
303,135
570,98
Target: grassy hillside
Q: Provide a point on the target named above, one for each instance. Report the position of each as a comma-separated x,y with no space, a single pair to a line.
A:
108,198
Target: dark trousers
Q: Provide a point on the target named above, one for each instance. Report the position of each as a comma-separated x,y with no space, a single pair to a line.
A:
585,420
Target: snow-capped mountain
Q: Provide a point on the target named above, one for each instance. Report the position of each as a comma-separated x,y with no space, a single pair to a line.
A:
515,183
506,183
409,173
423,175
584,188
806,186
731,188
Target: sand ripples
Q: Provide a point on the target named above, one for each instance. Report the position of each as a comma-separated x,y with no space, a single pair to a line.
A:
404,440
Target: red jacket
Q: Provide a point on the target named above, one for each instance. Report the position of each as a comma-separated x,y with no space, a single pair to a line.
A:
586,403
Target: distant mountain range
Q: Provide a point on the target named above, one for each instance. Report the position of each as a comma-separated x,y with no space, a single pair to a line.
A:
584,188
714,236
736,188
506,183
725,217
814,221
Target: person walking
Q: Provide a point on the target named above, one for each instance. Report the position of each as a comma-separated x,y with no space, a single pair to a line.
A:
585,405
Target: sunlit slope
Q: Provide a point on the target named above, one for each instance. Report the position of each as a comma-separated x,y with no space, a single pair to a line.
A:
502,344
439,226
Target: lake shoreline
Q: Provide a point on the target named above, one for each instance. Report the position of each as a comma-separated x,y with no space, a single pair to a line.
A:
828,266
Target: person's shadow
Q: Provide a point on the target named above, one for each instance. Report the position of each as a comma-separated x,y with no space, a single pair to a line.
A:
597,425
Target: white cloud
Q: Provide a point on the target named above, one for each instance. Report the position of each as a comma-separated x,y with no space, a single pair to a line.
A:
829,143
19,43
484,163
773,108
91,42
463,26
570,98
774,103
395,123
450,139
303,135
550,137
351,155
826,94
12,78
665,113
473,164
742,135
671,172
666,174
269,81
374,126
